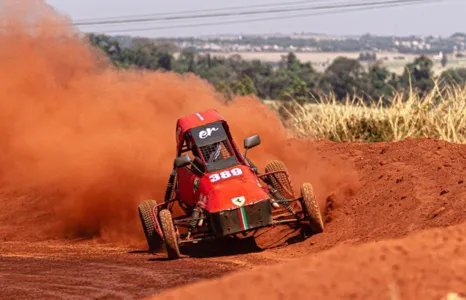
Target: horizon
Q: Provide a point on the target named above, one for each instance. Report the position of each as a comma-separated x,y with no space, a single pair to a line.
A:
441,19
300,34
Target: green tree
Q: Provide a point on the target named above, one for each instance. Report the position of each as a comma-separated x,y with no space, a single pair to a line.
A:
260,74
164,61
444,60
297,90
292,63
378,86
420,74
277,82
294,79
186,62
244,86
453,77
345,77
224,88
110,46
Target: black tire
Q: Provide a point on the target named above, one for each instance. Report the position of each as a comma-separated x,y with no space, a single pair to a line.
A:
169,233
311,208
280,181
154,241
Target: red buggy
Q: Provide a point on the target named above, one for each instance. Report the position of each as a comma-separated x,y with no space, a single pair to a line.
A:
220,192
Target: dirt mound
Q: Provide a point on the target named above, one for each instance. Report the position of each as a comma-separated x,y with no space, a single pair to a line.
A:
405,187
426,266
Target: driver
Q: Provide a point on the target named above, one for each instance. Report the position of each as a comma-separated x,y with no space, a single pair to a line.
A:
211,152
216,152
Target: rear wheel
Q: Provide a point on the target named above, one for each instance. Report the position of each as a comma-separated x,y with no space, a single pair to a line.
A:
169,233
311,208
146,215
280,181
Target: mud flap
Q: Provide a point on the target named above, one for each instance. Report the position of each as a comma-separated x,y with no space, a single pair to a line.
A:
242,219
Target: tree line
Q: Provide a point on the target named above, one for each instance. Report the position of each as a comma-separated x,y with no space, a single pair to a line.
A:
290,79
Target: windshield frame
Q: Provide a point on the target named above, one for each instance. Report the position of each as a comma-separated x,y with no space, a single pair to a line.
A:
210,134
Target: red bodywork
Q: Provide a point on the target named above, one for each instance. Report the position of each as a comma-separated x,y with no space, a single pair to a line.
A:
195,120
216,190
219,195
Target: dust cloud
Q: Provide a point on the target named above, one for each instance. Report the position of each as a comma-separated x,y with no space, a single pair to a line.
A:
81,143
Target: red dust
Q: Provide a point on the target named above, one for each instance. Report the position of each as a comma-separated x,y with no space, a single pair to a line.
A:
82,144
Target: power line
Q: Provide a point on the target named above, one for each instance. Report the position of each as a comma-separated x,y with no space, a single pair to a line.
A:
230,8
256,12
279,17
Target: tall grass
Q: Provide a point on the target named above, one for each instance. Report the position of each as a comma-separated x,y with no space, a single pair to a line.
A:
441,114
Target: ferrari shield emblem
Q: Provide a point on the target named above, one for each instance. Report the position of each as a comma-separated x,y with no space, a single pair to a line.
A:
238,201
197,181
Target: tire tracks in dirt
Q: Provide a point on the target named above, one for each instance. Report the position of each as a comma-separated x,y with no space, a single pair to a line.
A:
403,185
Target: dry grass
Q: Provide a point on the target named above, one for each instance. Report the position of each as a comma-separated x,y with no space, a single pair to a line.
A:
440,115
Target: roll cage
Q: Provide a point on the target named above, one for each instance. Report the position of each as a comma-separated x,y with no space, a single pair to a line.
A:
212,146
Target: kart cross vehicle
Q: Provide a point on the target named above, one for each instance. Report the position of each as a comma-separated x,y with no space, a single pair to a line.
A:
220,192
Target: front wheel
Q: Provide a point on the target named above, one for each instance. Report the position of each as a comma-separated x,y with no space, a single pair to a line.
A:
280,181
311,208
146,210
169,233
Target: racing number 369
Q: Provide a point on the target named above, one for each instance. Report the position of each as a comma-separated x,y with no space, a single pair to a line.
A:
225,174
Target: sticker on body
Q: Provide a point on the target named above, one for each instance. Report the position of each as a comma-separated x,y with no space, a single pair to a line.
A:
225,174
238,201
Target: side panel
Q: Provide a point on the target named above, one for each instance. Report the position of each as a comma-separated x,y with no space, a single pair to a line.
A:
186,183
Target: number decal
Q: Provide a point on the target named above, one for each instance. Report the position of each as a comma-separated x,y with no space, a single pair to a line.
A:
225,175
214,178
236,171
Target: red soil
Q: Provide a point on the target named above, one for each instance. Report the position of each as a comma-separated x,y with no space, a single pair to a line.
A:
405,187
81,144
412,190
428,265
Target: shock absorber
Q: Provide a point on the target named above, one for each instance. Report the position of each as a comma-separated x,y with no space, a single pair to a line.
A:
195,220
285,204
279,197
273,190
169,189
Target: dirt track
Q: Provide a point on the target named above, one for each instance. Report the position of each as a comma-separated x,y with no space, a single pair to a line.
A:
405,187
82,143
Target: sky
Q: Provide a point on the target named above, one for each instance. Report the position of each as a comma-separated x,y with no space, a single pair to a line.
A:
441,18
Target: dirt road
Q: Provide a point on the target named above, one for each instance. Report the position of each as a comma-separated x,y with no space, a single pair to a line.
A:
82,143
404,189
